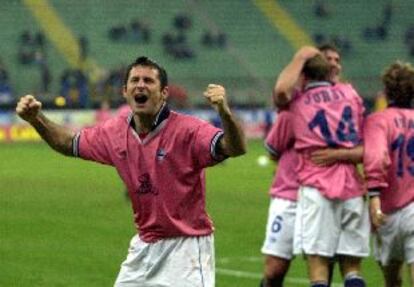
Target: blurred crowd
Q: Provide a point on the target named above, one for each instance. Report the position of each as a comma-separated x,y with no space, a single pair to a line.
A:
75,88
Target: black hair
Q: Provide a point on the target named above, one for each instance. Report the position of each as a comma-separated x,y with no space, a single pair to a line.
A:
147,62
328,47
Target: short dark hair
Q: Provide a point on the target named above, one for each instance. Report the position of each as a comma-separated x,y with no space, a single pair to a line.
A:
317,69
147,62
328,47
398,80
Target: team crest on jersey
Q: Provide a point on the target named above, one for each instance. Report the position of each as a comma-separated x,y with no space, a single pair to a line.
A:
161,154
145,185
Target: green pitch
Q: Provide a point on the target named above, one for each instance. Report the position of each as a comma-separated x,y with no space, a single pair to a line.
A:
66,222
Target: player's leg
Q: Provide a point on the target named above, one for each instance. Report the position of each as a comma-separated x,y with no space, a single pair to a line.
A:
278,244
316,233
411,271
393,273
318,270
407,224
351,271
354,240
388,250
331,269
275,271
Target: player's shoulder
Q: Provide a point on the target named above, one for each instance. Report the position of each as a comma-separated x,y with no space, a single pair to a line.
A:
116,121
283,115
187,121
348,90
392,112
345,86
379,117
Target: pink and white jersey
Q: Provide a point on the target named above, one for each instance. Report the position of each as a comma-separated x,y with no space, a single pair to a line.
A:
279,142
328,115
389,156
164,172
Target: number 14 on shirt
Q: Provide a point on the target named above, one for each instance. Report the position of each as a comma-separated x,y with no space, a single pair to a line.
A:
345,131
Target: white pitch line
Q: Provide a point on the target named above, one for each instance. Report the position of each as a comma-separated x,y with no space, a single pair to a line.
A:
254,275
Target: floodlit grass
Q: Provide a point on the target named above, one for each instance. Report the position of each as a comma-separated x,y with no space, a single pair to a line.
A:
66,222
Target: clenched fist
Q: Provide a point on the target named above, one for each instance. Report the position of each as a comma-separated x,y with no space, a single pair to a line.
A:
216,95
28,108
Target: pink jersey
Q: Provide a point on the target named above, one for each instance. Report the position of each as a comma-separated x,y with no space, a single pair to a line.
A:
389,155
279,142
328,115
164,173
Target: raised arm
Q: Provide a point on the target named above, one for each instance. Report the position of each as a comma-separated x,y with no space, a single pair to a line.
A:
233,143
57,137
290,75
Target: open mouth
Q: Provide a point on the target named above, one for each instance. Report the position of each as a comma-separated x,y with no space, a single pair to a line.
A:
140,99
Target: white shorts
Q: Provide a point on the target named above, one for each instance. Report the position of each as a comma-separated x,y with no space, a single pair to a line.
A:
279,228
395,239
331,227
181,261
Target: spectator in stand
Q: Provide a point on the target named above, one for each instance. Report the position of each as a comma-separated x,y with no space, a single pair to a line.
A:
6,96
26,53
30,45
74,88
214,39
380,31
183,21
4,75
44,72
140,31
321,9
118,33
83,48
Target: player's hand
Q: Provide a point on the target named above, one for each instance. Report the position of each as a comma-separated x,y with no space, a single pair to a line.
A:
307,52
216,95
28,108
377,217
324,157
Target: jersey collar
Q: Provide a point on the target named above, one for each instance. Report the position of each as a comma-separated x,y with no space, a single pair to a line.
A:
317,84
162,115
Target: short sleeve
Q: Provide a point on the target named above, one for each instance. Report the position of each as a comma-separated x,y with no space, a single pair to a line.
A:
92,144
280,137
205,142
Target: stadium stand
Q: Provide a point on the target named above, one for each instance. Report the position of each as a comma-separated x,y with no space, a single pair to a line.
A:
349,19
256,48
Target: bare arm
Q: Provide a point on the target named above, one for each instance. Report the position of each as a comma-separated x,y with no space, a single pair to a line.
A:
329,156
290,75
233,143
377,217
57,137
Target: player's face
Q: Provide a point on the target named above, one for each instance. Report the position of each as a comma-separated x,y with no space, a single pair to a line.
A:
143,91
334,60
